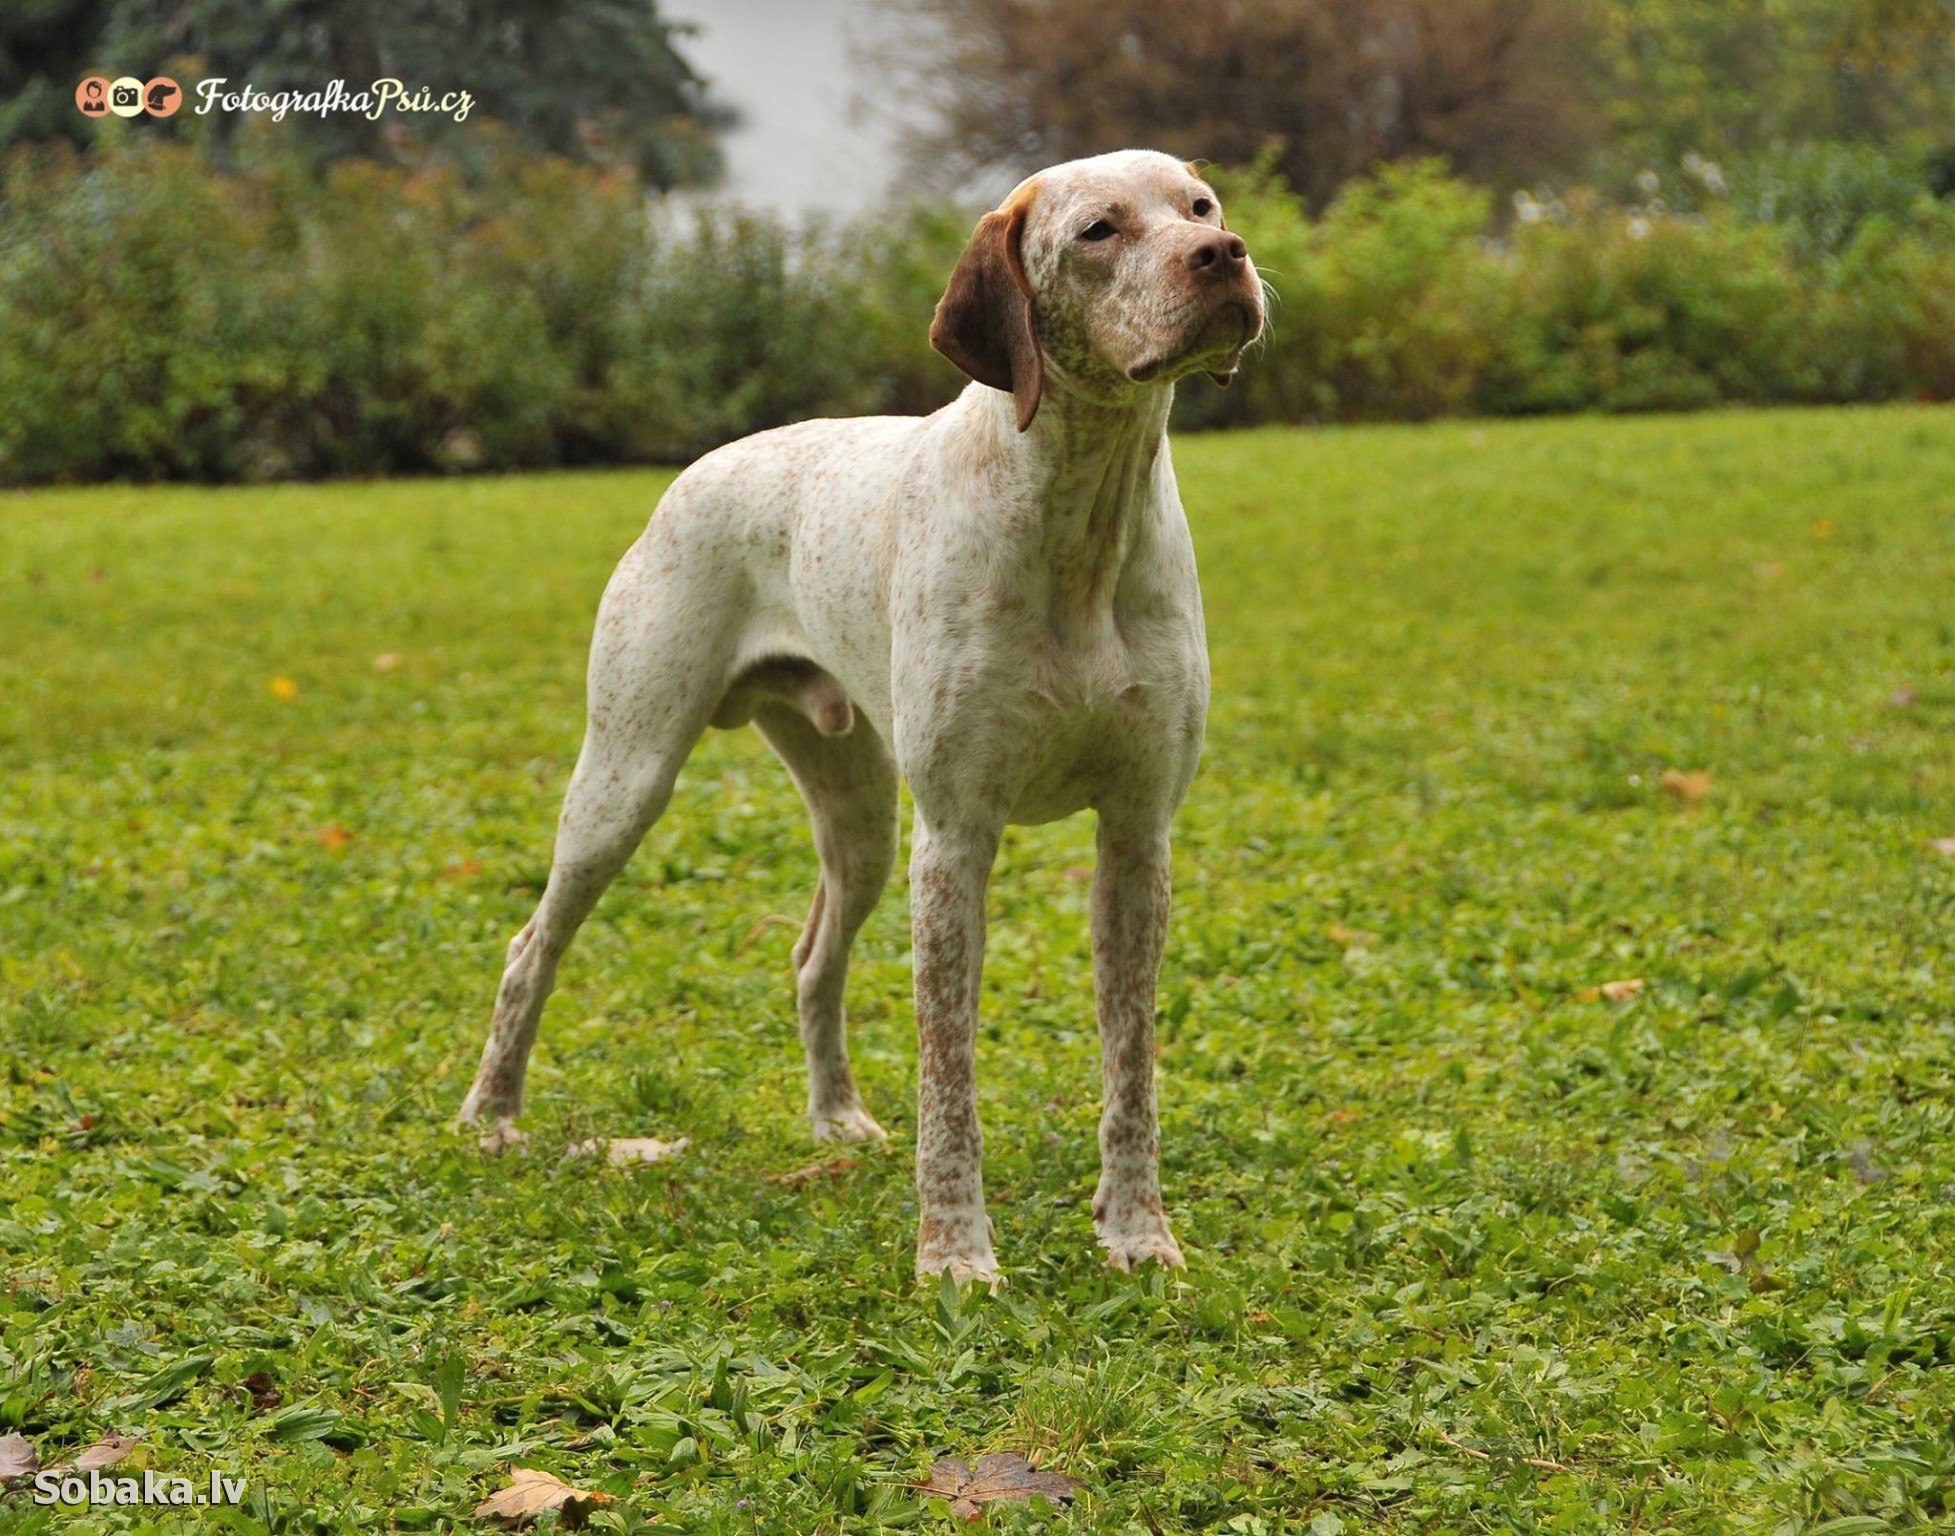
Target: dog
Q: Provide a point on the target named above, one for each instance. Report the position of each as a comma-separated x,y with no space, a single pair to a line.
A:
996,604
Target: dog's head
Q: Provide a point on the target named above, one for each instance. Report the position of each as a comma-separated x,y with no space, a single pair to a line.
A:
1116,274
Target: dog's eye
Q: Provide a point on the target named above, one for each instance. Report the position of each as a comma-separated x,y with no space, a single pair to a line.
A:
1203,207
1099,229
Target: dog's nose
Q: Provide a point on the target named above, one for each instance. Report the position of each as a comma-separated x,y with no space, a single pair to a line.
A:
1218,252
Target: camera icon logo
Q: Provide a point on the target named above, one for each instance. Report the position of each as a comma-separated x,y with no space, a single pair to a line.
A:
128,97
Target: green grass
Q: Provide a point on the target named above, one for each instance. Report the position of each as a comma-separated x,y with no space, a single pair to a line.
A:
1470,1250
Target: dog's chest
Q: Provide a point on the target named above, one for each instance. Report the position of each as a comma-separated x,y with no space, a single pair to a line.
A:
1099,721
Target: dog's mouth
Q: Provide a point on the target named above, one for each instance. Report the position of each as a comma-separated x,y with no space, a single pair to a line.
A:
1218,344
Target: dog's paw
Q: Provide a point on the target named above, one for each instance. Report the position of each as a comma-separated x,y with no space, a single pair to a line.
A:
960,1248
965,1268
853,1124
1127,1251
499,1137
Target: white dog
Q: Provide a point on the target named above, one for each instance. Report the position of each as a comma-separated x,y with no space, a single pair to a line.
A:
996,603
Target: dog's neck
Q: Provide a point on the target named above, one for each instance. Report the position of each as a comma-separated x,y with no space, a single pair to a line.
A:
1086,470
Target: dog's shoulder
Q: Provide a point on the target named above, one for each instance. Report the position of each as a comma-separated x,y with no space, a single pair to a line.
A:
809,445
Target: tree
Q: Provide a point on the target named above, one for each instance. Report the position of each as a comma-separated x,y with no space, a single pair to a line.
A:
46,47
1736,77
593,79
1496,86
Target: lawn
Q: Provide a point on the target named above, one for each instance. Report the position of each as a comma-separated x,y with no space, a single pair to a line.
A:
1472,1247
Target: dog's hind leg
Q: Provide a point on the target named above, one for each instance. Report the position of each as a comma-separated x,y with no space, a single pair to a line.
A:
849,783
657,662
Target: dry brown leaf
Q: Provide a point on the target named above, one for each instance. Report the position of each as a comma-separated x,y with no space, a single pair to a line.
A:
334,838
531,1492
832,1169
1944,845
622,1151
105,1452
462,869
1902,698
1689,786
263,1388
386,661
1614,991
1769,570
1002,1478
17,1458
1351,938
1078,874
284,688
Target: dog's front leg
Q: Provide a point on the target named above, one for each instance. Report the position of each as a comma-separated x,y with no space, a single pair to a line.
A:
948,875
1130,922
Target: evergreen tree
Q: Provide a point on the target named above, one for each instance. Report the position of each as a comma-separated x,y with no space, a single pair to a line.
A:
597,80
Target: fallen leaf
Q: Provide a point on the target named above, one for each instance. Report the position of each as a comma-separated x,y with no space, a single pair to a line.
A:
263,1388
105,1452
622,1151
1769,570
1004,1478
386,661
334,838
284,688
1078,874
833,1169
1688,786
1944,845
531,1492
462,869
1902,698
1822,527
1351,938
1614,991
17,1458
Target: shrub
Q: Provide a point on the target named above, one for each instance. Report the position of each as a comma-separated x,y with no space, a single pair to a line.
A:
1886,316
161,319
133,318
1619,312
1378,310
1822,193
1397,303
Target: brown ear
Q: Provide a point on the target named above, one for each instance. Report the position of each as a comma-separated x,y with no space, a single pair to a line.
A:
984,321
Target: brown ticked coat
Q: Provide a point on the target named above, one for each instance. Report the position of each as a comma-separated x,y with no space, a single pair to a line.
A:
998,605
